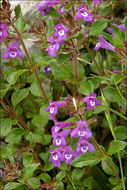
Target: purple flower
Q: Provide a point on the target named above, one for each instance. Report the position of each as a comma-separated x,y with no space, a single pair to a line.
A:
91,102
103,44
13,51
52,109
56,156
61,31
59,138
68,155
110,31
58,126
61,10
46,4
121,26
97,1
3,32
86,33
47,70
81,130
84,146
1,172
54,46
83,13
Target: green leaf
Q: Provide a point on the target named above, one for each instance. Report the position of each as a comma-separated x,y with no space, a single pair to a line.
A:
112,95
35,89
18,10
5,126
60,176
87,159
48,166
45,177
50,27
14,76
27,158
117,78
86,88
19,95
125,22
39,121
29,170
34,182
116,146
77,174
120,132
98,26
53,12
20,23
44,156
107,169
59,186
11,185
62,72
99,61
15,135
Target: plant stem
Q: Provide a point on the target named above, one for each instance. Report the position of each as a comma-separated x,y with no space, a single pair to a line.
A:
14,115
71,182
28,185
84,61
86,44
30,62
76,67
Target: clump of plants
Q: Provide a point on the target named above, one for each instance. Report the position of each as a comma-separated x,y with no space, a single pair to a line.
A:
71,135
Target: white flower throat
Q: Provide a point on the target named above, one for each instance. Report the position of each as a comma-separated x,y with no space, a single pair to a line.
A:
1,33
52,110
61,32
84,14
84,148
13,54
55,157
92,103
58,141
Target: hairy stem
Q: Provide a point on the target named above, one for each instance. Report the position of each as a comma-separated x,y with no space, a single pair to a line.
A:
14,115
30,62
92,57
76,67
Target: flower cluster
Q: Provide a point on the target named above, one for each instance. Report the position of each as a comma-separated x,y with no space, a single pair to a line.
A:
3,32
60,34
61,130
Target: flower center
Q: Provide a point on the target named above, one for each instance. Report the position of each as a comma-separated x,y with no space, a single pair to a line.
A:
49,69
82,131
98,44
0,33
68,156
52,110
84,148
58,141
13,53
52,47
55,156
92,103
61,32
84,14
56,129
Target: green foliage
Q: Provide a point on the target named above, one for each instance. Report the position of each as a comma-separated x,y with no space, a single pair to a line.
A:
5,126
98,26
116,146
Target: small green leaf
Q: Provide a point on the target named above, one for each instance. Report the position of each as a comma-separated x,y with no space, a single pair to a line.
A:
27,158
29,170
98,26
86,88
45,177
116,78
14,76
15,135
18,10
50,27
107,169
20,23
12,185
34,182
53,12
99,61
120,132
39,121
35,89
19,95
125,22
5,126
48,166
77,174
87,159
116,146
60,176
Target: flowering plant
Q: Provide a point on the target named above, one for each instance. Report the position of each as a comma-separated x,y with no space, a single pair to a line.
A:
63,105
